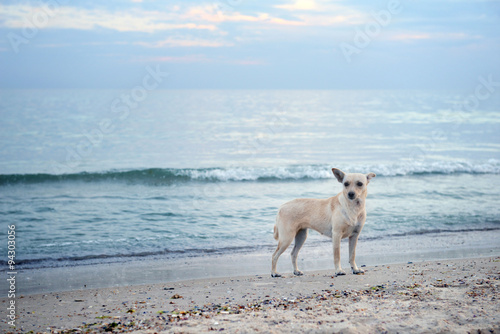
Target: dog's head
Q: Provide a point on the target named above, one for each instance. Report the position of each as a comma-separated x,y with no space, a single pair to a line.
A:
354,184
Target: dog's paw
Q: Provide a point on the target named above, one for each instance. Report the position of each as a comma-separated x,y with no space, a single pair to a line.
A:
340,273
358,272
275,275
298,273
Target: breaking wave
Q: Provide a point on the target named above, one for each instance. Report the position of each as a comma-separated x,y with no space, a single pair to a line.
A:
238,174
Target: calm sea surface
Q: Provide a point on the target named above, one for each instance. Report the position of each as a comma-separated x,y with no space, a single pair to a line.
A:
88,178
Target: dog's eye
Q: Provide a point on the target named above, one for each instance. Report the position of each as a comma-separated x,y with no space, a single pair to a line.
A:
359,184
347,184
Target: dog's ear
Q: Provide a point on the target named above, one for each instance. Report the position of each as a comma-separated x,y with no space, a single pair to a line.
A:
369,176
338,174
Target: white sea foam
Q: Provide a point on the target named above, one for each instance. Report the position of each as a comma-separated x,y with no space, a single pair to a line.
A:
491,166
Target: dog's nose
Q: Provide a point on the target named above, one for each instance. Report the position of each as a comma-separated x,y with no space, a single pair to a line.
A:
351,194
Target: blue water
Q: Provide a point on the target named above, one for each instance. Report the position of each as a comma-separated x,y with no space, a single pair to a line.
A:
190,173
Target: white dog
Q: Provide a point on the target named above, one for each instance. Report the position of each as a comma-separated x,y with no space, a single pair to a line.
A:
337,217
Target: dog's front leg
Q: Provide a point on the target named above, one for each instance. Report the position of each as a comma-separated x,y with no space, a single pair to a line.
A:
336,238
353,240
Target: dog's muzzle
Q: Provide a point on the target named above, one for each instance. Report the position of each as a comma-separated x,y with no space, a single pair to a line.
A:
351,195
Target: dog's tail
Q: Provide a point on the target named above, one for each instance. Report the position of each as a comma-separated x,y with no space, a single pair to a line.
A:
276,232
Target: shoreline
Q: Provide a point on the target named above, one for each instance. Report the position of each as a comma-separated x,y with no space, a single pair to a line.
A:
315,255
458,295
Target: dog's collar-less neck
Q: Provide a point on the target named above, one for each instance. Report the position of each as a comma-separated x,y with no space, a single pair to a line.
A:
350,211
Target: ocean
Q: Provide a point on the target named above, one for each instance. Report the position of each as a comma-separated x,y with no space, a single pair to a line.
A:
189,178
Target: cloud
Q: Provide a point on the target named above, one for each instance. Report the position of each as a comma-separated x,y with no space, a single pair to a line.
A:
312,13
300,5
410,36
185,42
21,16
328,15
64,17
176,17
332,20
214,14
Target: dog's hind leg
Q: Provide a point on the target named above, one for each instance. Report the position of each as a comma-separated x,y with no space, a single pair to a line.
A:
282,246
300,238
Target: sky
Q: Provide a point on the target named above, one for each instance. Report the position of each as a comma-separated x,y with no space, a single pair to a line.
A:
243,44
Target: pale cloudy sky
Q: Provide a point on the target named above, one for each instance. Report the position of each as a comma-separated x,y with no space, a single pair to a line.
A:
283,44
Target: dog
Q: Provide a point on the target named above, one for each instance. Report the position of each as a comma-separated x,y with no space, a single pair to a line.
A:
338,217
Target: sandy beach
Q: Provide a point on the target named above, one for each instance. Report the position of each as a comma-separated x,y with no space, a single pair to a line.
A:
457,296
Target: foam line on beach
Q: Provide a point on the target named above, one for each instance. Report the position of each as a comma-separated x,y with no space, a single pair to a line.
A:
72,261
